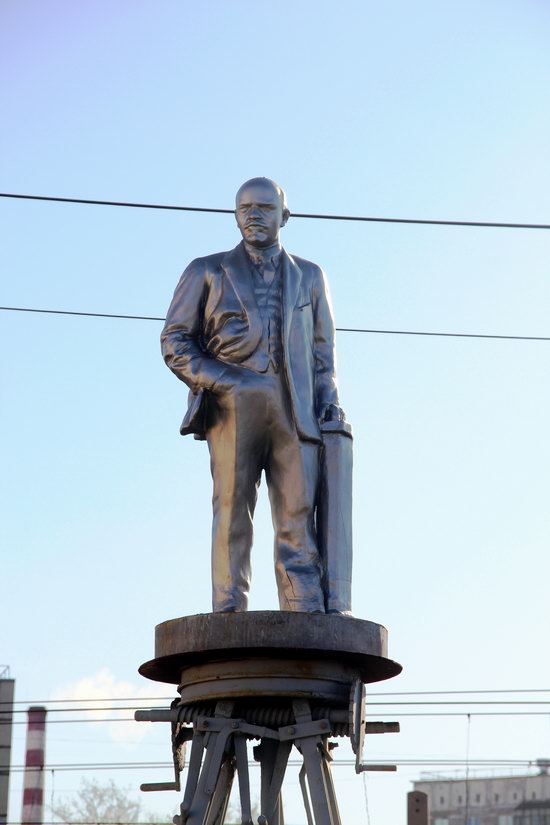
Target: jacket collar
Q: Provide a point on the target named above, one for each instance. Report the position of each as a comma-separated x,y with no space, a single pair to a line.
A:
236,266
292,278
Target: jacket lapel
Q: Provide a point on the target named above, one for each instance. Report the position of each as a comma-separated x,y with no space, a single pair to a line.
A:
292,278
237,271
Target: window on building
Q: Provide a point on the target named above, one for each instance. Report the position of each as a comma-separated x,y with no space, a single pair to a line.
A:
441,821
460,800
515,796
534,795
441,800
478,797
497,797
505,819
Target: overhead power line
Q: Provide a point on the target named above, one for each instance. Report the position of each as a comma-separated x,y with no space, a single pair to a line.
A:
95,699
381,693
314,216
459,762
104,708
338,329
397,714
457,692
373,704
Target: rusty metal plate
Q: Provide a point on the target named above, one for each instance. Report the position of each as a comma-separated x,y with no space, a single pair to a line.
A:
261,677
191,640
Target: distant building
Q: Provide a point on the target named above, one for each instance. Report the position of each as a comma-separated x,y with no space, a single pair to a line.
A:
495,800
7,687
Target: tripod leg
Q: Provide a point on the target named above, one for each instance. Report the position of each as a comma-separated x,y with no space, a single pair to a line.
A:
305,795
263,754
218,746
313,757
275,796
329,786
241,754
222,792
202,797
197,749
313,749
273,758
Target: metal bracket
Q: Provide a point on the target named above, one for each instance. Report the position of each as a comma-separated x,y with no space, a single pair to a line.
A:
300,731
219,755
214,724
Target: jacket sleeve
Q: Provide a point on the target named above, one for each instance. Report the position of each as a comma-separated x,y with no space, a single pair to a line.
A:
326,390
181,336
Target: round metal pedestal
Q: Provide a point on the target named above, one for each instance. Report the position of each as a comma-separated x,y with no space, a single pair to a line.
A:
191,643
287,679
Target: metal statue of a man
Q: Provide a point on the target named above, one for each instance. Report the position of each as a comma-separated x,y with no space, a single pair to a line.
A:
251,332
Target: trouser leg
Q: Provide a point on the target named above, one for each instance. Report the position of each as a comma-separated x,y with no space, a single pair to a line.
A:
235,444
292,472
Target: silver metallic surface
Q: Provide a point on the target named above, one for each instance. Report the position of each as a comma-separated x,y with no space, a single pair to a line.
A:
251,333
334,516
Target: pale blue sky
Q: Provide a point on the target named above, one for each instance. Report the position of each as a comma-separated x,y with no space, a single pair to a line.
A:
416,110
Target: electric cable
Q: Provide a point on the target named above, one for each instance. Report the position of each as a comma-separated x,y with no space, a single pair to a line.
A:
477,763
366,796
381,693
338,329
398,714
95,699
310,215
414,703
456,692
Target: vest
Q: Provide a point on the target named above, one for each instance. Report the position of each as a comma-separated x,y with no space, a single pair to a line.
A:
269,352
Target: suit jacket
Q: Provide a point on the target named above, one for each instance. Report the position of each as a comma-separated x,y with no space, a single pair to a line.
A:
214,321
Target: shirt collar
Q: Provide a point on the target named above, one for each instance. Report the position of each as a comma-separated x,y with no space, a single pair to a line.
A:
261,257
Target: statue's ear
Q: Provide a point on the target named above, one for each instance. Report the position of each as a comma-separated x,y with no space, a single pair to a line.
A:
286,216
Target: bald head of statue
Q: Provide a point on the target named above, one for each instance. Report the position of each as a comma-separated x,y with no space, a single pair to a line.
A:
261,211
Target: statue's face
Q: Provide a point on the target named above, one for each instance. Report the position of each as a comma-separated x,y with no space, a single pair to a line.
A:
259,213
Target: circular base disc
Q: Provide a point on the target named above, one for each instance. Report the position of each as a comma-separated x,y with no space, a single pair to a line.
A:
193,642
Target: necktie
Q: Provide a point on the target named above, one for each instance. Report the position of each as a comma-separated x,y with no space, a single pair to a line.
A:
268,271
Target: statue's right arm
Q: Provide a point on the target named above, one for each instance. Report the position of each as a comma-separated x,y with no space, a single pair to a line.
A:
180,338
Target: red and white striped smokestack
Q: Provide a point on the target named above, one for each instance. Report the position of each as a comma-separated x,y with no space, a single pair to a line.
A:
33,793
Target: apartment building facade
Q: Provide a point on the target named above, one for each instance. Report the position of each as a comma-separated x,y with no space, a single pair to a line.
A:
495,800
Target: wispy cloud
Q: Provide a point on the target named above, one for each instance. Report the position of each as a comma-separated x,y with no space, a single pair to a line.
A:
104,689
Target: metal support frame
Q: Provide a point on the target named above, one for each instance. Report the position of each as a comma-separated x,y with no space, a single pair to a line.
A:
311,739
219,752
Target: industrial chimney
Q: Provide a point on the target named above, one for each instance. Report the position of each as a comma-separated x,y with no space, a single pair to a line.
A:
33,793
